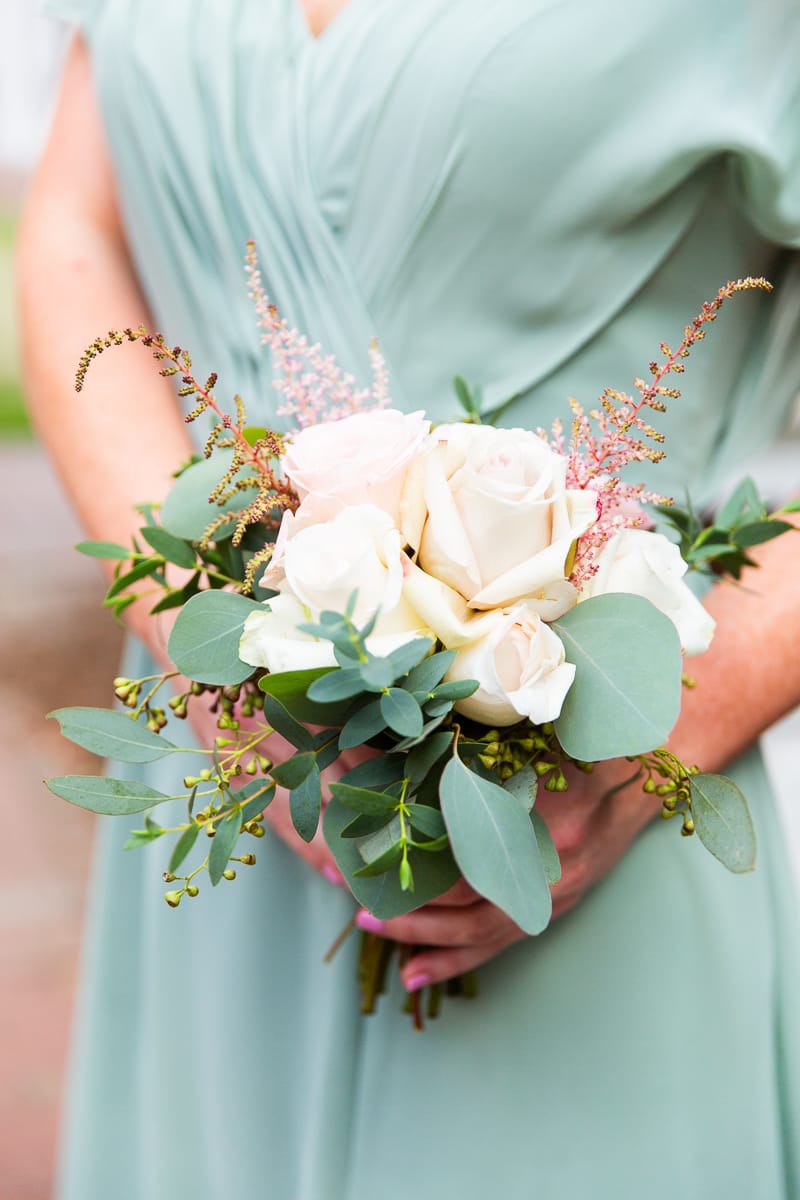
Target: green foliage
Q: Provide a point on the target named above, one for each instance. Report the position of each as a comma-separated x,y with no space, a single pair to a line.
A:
222,847
495,846
111,734
187,511
110,550
723,822
171,548
547,849
109,797
627,689
204,643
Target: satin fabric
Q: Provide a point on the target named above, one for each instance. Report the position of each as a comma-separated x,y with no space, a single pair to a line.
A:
533,194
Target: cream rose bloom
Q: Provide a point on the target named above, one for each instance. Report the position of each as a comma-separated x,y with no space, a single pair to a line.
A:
647,564
520,665
359,550
491,516
361,459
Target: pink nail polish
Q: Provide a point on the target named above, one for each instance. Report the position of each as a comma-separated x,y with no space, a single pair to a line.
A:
368,923
333,876
415,983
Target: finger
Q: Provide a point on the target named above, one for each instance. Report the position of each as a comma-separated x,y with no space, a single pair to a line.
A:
475,924
437,965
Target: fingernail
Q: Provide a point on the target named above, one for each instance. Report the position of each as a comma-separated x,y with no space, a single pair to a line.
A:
368,923
333,876
415,983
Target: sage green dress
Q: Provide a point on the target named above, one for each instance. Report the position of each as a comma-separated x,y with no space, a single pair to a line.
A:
532,193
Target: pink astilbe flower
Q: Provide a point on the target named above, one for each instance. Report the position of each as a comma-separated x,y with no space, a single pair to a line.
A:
313,386
612,436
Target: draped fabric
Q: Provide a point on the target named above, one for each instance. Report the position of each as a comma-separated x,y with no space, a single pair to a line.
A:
533,194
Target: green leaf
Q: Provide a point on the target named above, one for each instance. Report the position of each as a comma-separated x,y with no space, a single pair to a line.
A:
255,797
142,569
743,503
495,846
222,847
339,684
284,724
547,849
406,658
173,549
378,772
426,820
384,862
362,800
375,674
457,689
111,550
401,712
177,597
425,677
627,690
792,506
362,725
523,785
204,643
110,797
183,846
465,397
111,734
723,822
143,837
760,531
291,688
424,756
187,512
364,825
291,773
434,874
305,802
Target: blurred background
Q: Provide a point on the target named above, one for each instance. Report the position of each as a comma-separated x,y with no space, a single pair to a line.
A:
55,649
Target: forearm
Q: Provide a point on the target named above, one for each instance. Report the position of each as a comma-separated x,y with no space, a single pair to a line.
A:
750,676
116,444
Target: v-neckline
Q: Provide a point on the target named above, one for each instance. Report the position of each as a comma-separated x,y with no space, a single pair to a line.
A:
317,39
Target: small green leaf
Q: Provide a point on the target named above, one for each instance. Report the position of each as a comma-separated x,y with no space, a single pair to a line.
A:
384,862
142,837
378,772
111,734
523,784
305,802
187,512
425,677
792,506
723,822
291,773
401,713
406,658
223,845
340,684
292,687
362,725
547,849
426,820
457,689
284,724
363,825
110,797
255,797
183,846
494,843
423,757
147,567
361,800
744,503
174,550
760,531
111,550
204,643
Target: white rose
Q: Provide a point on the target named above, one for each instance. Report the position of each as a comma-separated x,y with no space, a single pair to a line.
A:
491,516
358,551
361,459
520,666
648,564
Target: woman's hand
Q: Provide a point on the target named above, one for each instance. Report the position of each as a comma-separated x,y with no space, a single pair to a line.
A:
591,831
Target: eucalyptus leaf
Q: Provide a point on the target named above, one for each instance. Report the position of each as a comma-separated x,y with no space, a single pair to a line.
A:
760,531
254,802
341,684
364,724
204,643
547,849
401,712
291,773
383,863
426,820
434,874
222,847
187,511
292,687
183,846
110,550
378,772
376,674
523,784
495,846
405,658
171,548
363,825
722,821
431,671
284,723
743,503
362,800
147,566
112,734
627,689
422,758
110,797
305,802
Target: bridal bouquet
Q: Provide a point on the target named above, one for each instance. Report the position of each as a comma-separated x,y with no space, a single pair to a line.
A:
477,607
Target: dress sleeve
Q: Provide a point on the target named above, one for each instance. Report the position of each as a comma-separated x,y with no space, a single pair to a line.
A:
767,165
